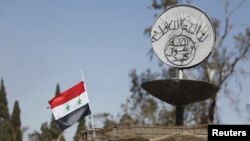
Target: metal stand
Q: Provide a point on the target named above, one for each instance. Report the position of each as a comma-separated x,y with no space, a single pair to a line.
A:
179,115
180,92
179,108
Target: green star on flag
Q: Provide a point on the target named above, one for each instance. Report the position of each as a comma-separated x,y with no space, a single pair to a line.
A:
79,101
68,107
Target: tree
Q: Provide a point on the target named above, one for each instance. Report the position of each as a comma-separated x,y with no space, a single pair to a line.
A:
218,69
106,119
6,130
127,120
81,127
141,106
3,103
16,122
45,134
10,127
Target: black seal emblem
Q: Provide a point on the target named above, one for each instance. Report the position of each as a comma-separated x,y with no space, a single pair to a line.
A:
180,50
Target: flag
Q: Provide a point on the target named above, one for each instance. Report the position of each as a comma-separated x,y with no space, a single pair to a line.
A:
70,106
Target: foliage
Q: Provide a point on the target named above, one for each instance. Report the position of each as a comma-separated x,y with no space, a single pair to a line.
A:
3,103
6,130
143,107
10,127
16,122
106,119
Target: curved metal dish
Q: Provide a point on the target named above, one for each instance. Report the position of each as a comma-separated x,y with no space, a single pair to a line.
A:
180,92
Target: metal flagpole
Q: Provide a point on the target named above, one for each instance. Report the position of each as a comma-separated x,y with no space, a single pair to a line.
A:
91,117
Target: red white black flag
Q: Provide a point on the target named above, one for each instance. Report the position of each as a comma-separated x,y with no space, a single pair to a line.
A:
70,106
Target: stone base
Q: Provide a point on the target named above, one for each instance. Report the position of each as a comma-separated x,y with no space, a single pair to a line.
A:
148,133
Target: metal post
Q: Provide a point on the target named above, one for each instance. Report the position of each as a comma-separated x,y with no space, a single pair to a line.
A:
179,115
180,76
91,116
179,108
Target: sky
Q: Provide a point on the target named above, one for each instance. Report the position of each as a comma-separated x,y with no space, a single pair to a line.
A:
48,42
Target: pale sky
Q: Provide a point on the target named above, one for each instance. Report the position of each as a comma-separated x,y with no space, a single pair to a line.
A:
45,42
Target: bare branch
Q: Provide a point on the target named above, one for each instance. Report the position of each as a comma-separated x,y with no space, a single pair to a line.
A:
228,14
236,7
235,62
222,64
227,27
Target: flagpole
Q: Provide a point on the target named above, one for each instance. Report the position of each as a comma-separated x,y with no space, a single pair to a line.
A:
91,117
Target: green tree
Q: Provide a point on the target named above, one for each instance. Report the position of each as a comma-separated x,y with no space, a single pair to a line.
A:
220,68
81,127
16,122
6,130
3,103
45,134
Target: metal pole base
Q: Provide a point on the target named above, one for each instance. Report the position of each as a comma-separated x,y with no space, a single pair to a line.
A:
179,115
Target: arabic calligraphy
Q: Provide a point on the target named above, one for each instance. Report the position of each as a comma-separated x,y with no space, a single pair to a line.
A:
182,36
180,50
185,24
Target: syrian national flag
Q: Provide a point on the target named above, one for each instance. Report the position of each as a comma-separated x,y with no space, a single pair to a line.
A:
70,106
